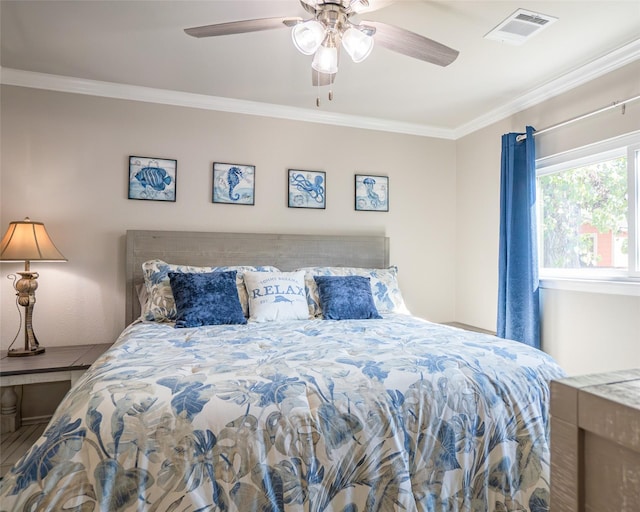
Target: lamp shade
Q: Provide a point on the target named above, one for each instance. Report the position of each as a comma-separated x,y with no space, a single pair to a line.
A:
326,60
26,240
357,44
308,36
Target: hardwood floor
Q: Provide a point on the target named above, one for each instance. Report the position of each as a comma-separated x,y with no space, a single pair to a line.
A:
15,444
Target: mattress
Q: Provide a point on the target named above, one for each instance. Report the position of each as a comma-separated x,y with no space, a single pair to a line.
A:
381,414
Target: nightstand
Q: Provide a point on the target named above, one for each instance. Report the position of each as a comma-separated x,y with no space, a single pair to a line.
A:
56,364
467,327
595,442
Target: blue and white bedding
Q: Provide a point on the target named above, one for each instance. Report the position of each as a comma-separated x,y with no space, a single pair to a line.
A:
313,415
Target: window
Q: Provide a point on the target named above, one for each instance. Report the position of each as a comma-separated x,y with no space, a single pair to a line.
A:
588,214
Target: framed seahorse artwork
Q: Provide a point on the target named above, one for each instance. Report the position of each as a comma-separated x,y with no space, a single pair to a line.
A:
372,193
307,189
153,179
234,183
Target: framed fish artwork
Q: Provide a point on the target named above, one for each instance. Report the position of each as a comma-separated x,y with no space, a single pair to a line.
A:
153,179
234,183
307,189
372,193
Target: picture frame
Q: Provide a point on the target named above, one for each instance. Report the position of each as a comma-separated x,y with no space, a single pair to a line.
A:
152,178
307,189
371,193
233,183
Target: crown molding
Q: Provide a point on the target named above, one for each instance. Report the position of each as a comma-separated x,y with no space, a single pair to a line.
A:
594,69
35,80
599,67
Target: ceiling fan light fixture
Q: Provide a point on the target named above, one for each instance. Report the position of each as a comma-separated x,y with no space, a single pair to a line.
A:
326,60
308,36
357,44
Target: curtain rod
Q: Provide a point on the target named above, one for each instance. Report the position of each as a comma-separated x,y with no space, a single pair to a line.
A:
583,116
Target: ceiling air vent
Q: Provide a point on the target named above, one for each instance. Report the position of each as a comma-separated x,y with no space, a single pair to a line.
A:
520,26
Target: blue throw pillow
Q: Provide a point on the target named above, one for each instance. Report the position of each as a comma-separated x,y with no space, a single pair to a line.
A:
209,298
346,297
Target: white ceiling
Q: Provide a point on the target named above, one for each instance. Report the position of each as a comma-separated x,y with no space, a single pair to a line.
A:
142,43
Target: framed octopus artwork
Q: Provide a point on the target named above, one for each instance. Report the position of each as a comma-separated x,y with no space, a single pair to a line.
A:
307,189
234,183
372,193
153,179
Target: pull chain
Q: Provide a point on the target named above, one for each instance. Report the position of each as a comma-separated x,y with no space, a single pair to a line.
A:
318,91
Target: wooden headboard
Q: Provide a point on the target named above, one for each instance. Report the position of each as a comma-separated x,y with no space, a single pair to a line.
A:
287,252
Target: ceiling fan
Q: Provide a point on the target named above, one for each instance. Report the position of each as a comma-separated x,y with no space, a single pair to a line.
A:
330,27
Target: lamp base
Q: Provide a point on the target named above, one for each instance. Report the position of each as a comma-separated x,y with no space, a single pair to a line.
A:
26,292
24,353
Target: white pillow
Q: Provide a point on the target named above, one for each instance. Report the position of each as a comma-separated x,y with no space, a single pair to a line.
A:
384,287
159,305
276,296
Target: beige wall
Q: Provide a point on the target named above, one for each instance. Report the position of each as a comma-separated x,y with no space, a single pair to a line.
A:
585,332
64,162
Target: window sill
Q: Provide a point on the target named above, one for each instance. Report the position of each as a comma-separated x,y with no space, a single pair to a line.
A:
611,287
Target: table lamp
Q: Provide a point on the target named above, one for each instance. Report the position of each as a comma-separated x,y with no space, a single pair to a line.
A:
27,241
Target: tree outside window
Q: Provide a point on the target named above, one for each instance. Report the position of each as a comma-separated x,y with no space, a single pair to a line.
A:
584,216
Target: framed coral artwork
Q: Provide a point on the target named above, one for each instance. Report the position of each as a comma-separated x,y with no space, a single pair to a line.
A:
234,183
152,178
307,189
372,193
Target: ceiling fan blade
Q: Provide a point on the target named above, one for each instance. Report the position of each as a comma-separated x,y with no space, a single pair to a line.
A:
318,78
412,44
309,5
240,27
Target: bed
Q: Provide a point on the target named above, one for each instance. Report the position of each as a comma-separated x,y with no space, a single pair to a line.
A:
380,413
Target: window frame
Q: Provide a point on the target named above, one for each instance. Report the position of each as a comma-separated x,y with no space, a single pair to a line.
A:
633,170
623,282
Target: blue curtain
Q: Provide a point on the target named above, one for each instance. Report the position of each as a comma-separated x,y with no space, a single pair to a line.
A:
518,295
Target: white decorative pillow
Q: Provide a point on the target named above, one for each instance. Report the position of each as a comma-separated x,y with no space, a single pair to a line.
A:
276,296
160,305
384,287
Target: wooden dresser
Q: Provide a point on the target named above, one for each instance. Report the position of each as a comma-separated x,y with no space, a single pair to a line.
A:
595,443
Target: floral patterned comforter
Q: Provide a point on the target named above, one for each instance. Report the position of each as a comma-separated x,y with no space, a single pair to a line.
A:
318,415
